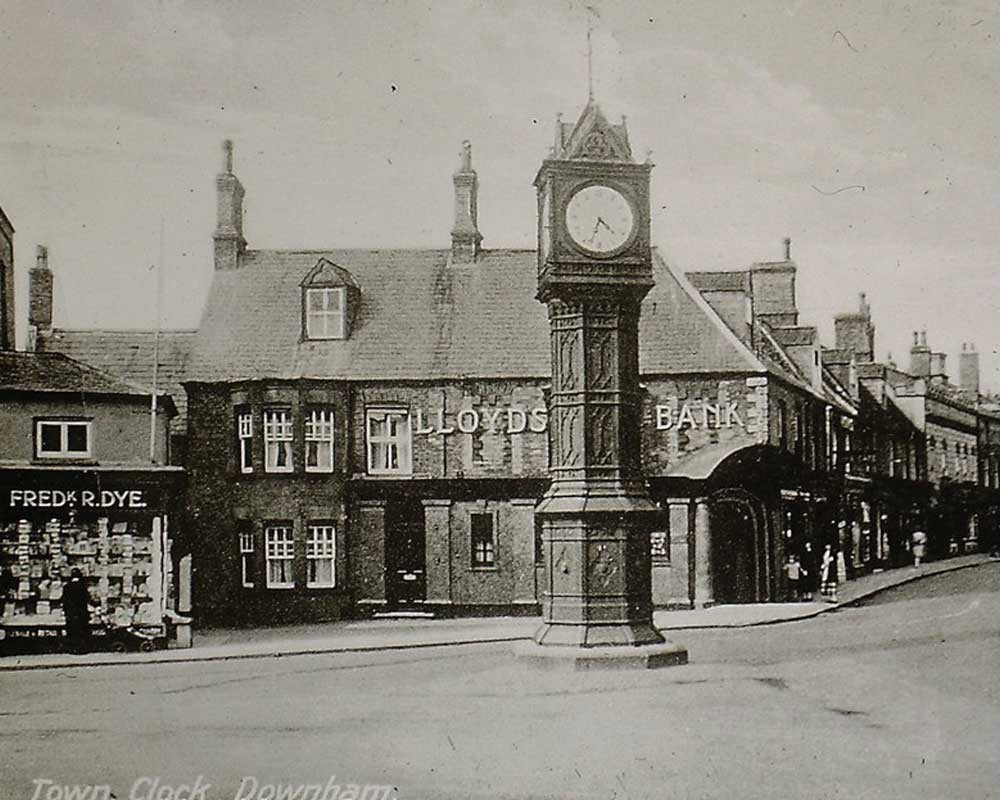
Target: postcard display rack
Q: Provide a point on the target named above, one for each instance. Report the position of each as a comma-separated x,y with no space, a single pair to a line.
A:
122,561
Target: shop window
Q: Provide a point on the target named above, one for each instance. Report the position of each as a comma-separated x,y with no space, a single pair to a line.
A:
245,535
483,541
320,551
277,440
279,552
62,439
244,440
319,440
388,442
659,546
325,313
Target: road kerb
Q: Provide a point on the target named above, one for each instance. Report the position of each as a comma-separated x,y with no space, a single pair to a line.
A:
193,656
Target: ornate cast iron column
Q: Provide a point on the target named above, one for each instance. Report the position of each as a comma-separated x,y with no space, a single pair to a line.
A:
597,515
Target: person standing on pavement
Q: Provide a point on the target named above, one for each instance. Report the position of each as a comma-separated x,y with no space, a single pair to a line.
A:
918,542
828,575
76,609
793,576
810,572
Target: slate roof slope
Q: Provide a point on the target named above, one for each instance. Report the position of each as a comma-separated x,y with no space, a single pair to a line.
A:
423,318
58,373
128,354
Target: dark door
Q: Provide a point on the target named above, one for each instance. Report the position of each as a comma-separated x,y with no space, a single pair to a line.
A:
734,553
405,559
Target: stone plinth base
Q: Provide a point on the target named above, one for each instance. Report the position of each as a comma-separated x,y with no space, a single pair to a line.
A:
579,659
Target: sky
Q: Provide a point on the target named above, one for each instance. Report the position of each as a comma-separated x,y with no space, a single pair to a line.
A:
867,132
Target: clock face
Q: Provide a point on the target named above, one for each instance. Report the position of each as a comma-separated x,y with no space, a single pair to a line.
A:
600,219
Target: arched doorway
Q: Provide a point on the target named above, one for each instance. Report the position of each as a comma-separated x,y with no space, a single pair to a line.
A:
738,551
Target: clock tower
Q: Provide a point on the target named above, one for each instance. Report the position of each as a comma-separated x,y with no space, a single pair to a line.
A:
594,268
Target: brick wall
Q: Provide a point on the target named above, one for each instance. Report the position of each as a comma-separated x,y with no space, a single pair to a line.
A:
683,417
222,501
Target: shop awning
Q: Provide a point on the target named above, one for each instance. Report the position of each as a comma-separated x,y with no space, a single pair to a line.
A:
702,464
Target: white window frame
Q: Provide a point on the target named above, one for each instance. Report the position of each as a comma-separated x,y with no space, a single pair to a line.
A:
246,558
660,555
326,322
319,428
491,549
321,545
400,442
278,435
279,546
244,439
63,451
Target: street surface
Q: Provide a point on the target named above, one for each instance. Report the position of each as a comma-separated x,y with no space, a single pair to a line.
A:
898,698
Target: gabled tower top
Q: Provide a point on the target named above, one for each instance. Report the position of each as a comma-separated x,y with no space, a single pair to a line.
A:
592,137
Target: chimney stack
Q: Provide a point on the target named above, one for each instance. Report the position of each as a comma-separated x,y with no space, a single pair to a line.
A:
772,288
6,283
39,299
968,369
465,236
854,332
920,356
229,241
939,368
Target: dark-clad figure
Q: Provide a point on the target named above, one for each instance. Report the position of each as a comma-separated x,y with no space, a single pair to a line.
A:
76,607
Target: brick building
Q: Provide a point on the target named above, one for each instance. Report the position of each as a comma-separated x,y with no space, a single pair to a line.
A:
84,484
368,429
924,449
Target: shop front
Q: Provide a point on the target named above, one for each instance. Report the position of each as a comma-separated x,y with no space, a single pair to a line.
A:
114,526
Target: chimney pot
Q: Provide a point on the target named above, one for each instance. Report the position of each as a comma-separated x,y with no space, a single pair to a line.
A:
227,156
788,248
41,257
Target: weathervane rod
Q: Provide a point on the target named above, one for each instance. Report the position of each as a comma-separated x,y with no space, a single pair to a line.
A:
590,52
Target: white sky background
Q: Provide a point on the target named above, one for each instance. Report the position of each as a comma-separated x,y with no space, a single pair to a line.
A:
348,118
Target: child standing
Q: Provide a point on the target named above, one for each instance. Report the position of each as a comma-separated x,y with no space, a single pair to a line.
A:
793,574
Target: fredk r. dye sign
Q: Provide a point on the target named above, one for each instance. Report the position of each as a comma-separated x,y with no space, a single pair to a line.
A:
120,499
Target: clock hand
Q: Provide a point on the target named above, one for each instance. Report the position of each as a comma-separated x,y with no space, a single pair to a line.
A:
600,221
593,234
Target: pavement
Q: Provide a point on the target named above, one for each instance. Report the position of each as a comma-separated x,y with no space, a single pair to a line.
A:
393,634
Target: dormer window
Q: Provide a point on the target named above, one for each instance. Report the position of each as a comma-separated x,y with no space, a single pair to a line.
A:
325,313
330,300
